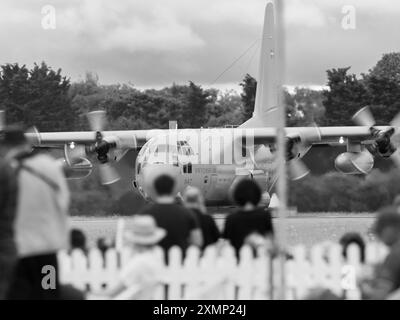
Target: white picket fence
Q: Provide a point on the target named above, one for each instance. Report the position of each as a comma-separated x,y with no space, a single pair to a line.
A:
217,274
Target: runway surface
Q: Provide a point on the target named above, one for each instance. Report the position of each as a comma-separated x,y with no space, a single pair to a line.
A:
302,229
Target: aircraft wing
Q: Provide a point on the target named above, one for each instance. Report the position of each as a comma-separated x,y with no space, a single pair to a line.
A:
132,138
326,135
136,138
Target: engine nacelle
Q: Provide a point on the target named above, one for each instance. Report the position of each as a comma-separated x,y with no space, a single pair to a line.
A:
79,170
354,162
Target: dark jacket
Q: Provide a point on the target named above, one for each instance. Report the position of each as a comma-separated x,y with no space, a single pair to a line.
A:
208,228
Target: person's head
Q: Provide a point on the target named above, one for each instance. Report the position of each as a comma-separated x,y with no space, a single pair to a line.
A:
102,244
387,225
13,140
265,200
77,239
193,199
164,185
144,233
247,192
352,238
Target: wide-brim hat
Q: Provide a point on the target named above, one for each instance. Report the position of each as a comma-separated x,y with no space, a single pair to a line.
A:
144,231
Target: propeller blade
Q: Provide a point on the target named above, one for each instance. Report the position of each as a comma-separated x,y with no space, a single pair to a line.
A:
364,117
396,121
33,136
108,174
2,120
297,169
97,120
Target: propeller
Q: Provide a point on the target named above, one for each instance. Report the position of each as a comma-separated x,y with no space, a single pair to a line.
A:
364,117
384,139
297,169
97,122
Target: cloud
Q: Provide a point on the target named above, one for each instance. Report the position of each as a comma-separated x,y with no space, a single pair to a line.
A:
132,26
304,13
157,42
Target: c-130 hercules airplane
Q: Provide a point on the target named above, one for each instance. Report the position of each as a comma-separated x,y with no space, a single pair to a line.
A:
215,159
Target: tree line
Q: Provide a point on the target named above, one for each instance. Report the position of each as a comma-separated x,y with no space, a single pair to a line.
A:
44,97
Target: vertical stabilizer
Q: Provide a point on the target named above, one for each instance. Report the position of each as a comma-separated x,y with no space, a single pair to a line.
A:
264,114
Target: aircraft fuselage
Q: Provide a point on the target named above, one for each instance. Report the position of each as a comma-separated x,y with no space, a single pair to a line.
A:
211,160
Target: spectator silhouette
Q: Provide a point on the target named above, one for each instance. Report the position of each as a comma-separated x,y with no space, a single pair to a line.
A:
387,274
78,240
103,245
194,200
12,143
140,275
251,223
180,223
41,226
352,238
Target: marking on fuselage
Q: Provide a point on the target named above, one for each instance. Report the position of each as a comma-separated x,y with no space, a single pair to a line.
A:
205,170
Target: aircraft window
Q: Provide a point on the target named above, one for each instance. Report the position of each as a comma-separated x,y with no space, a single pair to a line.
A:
164,148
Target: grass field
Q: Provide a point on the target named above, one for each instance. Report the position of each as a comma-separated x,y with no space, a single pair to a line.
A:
305,229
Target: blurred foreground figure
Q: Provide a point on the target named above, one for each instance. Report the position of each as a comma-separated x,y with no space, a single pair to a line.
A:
12,142
251,224
194,200
352,238
41,228
387,275
77,240
180,223
139,277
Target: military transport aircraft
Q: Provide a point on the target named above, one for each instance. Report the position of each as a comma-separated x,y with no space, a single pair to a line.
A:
215,159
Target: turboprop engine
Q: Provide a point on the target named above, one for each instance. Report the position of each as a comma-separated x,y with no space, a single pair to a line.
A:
354,162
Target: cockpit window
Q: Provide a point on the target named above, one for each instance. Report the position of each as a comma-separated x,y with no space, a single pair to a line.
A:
184,148
158,152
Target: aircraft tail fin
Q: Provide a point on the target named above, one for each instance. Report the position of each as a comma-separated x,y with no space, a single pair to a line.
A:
264,114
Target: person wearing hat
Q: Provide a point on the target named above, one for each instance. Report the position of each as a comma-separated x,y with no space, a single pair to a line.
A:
12,144
387,275
140,276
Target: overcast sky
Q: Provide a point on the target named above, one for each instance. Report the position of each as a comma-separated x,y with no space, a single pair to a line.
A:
151,43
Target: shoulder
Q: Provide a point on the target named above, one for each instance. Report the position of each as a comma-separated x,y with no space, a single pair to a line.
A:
182,210
149,208
233,216
262,212
43,160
